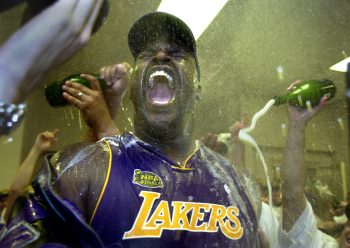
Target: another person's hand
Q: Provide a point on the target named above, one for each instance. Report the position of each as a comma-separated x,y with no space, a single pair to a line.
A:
45,140
116,78
24,176
211,141
57,38
117,82
299,117
237,154
237,126
92,105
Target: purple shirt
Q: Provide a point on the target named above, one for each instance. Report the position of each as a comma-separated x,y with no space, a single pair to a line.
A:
123,192
149,200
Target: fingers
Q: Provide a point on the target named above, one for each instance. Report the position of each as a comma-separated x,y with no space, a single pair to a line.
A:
95,84
73,100
75,93
293,84
54,132
76,89
106,74
211,141
321,104
111,74
127,66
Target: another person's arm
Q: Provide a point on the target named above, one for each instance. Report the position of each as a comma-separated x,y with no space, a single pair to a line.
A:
28,169
237,156
299,226
46,41
293,169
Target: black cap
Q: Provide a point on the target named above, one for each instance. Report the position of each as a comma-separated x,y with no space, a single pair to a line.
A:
156,25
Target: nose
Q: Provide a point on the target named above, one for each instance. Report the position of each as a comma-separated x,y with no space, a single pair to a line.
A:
162,56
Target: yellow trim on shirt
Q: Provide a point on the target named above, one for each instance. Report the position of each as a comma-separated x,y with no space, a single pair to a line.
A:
183,166
105,183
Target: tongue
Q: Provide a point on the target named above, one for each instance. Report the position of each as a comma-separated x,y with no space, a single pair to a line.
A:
160,93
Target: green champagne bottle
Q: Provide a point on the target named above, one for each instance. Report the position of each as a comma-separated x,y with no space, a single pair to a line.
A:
54,91
308,93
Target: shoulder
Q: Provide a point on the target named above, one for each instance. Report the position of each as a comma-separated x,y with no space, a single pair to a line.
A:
76,157
76,172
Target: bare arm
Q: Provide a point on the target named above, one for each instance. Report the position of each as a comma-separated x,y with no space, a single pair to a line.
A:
43,43
29,168
293,169
238,154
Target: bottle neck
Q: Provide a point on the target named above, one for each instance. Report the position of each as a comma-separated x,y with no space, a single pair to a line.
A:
280,100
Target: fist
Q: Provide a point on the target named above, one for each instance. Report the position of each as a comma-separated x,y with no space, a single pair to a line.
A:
116,78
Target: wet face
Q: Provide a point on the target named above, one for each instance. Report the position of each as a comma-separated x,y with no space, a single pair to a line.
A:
163,89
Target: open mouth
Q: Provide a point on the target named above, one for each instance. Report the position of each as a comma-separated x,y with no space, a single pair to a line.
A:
160,88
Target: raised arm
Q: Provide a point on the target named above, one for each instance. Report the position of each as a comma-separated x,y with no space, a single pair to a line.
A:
28,169
237,156
293,169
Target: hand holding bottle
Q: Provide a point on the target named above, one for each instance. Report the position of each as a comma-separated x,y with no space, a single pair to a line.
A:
92,105
300,116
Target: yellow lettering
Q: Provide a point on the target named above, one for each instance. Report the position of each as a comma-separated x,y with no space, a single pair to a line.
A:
160,218
218,214
186,216
232,232
180,219
138,228
197,215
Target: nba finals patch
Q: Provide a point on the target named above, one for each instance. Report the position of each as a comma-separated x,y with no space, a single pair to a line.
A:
147,179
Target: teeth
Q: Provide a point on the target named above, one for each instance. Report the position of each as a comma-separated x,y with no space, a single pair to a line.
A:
161,74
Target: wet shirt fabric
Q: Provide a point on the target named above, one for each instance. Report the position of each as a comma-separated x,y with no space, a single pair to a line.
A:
148,200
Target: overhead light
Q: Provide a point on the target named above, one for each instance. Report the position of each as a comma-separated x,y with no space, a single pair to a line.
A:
341,66
197,14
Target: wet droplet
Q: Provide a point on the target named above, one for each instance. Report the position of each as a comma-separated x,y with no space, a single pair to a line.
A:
71,113
280,72
344,54
341,123
284,130
80,122
330,149
8,140
308,105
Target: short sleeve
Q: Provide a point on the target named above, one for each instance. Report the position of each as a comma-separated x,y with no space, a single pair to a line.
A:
305,233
